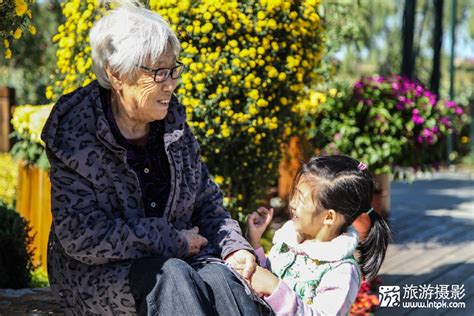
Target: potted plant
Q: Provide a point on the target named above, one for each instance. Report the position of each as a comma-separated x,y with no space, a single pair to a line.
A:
385,122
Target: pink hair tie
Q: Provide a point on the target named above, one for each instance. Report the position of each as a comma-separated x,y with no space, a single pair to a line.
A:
362,166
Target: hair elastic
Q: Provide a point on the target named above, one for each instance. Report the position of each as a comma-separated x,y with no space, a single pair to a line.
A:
370,210
362,166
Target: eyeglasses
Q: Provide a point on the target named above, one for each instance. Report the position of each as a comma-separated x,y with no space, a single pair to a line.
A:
162,74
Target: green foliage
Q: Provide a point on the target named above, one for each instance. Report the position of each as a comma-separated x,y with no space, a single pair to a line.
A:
15,250
31,152
352,28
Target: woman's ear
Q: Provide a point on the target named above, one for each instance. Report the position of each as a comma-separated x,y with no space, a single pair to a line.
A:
114,79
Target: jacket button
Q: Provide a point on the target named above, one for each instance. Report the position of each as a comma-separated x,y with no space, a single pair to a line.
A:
152,204
146,170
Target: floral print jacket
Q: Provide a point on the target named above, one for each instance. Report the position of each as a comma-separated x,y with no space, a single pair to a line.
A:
316,278
99,225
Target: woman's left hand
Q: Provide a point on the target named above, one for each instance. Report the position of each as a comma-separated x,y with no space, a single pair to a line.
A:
263,282
242,261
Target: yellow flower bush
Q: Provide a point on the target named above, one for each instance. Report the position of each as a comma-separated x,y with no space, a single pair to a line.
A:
28,122
248,66
15,19
8,179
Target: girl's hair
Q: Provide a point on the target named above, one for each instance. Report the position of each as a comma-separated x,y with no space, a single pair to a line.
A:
345,185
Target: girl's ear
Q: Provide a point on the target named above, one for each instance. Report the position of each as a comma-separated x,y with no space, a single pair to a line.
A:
114,79
330,217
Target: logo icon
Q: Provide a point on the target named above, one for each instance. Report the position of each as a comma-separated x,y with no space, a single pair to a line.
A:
389,295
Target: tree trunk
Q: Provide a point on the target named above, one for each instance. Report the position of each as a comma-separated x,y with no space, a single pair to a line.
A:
437,42
408,31
7,99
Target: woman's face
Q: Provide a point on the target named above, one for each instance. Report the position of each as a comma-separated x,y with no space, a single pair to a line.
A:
307,221
145,100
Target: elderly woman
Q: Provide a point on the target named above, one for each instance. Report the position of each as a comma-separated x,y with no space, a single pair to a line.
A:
138,224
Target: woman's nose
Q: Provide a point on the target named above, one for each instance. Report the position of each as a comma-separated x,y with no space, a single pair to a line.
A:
169,85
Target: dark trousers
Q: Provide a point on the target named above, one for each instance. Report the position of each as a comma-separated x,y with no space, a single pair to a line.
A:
173,287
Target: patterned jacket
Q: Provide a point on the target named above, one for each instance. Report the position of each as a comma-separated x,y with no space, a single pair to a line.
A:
316,278
99,225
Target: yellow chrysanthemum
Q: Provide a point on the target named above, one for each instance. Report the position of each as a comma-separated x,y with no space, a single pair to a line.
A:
20,7
237,88
17,34
8,179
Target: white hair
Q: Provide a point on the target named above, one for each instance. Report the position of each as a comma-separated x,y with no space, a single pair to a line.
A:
128,36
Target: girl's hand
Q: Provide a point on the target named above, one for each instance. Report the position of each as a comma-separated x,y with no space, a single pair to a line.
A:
257,222
263,282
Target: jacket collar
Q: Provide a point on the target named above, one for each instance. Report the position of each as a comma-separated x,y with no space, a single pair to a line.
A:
339,248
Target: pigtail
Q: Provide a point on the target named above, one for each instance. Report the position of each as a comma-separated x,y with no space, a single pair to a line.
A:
373,248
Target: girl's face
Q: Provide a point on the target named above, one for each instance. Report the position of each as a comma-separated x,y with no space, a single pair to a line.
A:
306,219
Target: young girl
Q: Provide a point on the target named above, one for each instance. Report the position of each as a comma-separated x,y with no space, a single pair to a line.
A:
313,270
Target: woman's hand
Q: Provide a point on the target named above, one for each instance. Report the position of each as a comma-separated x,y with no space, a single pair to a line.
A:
195,241
257,222
243,262
263,282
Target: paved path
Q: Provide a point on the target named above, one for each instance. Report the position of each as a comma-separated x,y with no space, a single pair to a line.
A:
28,302
433,226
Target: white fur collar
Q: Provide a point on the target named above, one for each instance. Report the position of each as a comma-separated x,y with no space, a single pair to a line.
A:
339,248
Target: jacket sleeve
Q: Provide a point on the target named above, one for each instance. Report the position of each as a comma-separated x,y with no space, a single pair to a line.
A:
91,235
261,257
334,296
213,220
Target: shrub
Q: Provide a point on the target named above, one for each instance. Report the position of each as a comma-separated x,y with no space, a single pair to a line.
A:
248,65
28,122
386,122
16,18
15,250
8,179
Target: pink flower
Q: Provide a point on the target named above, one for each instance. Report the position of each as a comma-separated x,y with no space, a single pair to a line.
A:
450,104
418,91
359,84
445,121
428,135
416,118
